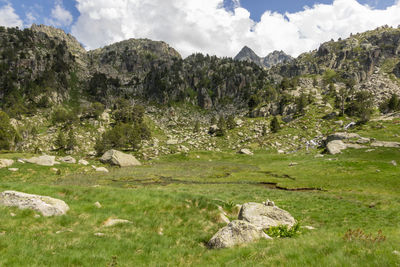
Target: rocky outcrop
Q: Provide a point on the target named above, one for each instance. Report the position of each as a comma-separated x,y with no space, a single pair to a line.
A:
236,233
335,147
265,216
115,157
47,206
44,160
245,151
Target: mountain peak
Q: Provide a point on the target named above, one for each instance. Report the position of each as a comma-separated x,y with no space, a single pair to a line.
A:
274,58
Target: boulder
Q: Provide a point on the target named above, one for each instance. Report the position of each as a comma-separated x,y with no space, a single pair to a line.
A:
335,147
245,151
342,136
385,144
44,160
265,215
4,163
47,206
172,142
115,157
236,233
68,159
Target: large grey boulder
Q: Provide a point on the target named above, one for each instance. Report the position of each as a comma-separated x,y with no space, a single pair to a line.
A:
336,147
4,163
266,215
236,233
44,160
115,157
47,206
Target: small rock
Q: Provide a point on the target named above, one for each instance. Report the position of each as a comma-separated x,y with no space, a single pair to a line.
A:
319,156
36,216
245,151
396,253
335,147
394,163
292,164
68,159
13,169
308,227
83,162
44,160
99,169
111,222
99,234
98,205
12,214
160,231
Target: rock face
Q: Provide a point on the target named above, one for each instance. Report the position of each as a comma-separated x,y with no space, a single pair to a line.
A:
115,157
236,233
44,160
4,163
264,216
336,147
47,206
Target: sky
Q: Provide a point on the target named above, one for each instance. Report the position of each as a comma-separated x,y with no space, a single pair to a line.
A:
215,27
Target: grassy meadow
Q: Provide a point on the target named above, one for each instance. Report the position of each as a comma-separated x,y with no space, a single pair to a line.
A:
172,204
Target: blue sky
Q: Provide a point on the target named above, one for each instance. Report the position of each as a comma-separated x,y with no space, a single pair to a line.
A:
258,7
192,26
41,9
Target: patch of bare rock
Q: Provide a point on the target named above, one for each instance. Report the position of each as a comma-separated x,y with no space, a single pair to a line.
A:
253,219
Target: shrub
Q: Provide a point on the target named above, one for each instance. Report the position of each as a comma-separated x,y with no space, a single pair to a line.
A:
283,231
275,126
60,142
230,122
64,116
361,106
221,131
7,132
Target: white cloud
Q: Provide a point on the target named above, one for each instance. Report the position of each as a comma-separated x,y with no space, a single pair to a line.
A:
60,17
205,26
8,17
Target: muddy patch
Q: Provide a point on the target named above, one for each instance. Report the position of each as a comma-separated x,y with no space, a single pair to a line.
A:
164,181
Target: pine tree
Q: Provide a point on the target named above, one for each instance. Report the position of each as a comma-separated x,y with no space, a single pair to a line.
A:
196,128
71,141
221,131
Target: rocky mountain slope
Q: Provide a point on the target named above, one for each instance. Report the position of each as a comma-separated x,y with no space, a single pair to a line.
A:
272,59
50,84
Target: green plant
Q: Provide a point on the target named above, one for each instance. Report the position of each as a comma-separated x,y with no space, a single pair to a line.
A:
283,231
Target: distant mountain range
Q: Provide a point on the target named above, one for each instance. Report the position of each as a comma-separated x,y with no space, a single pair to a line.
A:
274,58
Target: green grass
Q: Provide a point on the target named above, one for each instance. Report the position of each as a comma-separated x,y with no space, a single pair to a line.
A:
178,196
